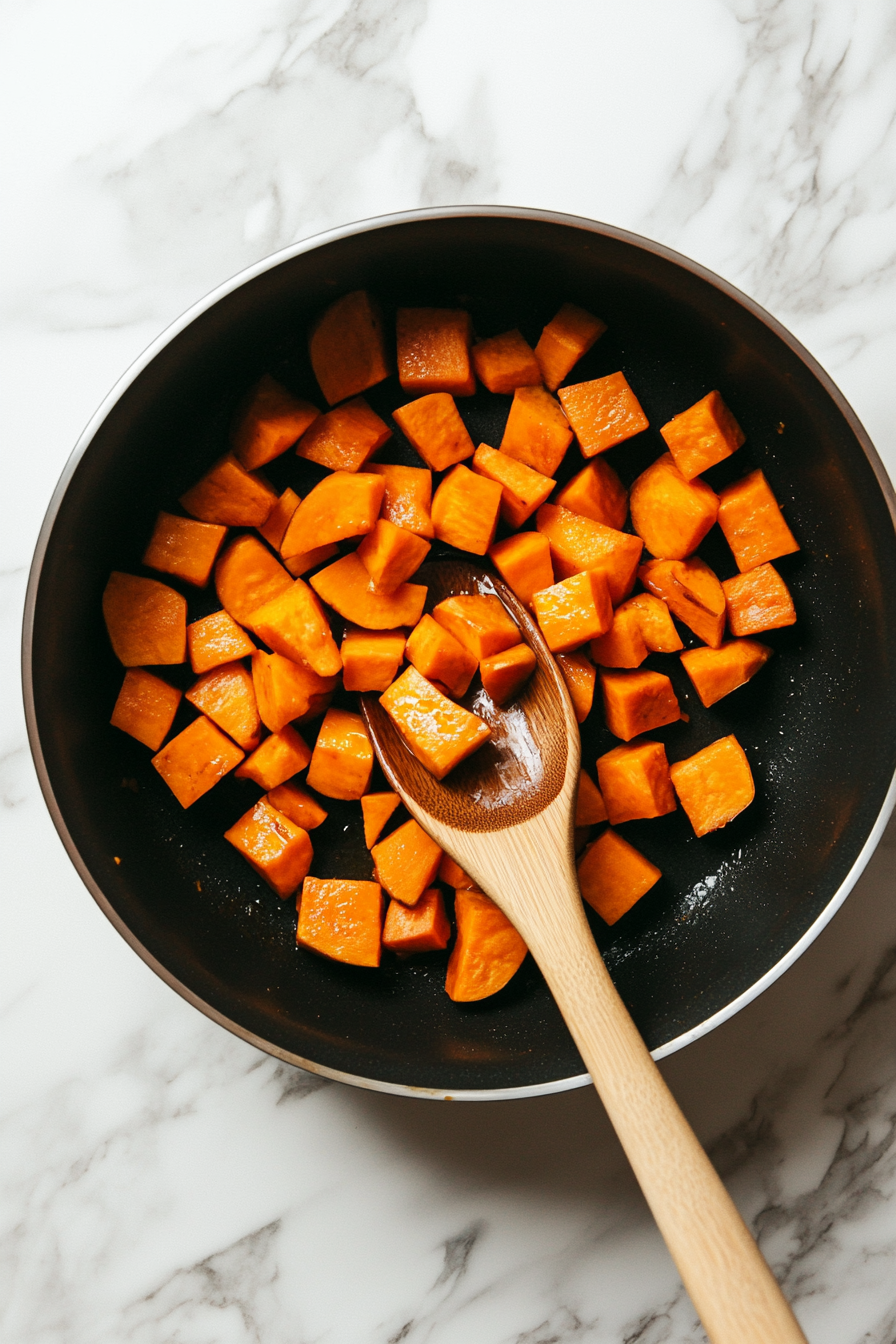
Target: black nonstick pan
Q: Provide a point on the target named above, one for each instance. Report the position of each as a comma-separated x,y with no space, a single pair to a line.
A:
733,909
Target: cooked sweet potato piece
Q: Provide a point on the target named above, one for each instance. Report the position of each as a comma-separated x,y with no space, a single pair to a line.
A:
247,576
145,707
184,548
227,697
216,639
345,586
298,805
194,761
635,783
305,560
613,875
717,672
438,656
230,495
506,362
465,510
406,862
274,529
703,435
270,423
286,690
407,498
537,432
348,347
623,645
753,524
420,928
603,412
524,563
279,757
597,493
505,674
278,849
434,350
432,425
295,625
714,785
341,920
692,592
344,438
440,733
453,875
758,600
672,515
579,543
146,620
488,950
522,489
371,658
590,807
391,555
342,761
637,702
377,809
573,611
566,338
580,676
480,622
344,504
657,626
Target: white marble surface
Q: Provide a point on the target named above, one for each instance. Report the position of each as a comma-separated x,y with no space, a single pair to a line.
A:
159,1180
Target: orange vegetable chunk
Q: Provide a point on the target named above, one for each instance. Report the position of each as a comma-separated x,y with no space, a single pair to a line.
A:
505,674
603,412
717,672
247,576
623,645
295,625
573,611
465,510
194,761
432,425
341,920
537,432
522,489
438,732
692,592
227,697
391,555
714,785
758,600
279,757
298,805
597,493
488,950
506,362
280,851
342,761
703,435
406,862
377,809
305,560
285,690
434,350
371,658
672,515
635,782
566,338
579,543
438,656
184,548
480,622
524,563
146,620
657,626
348,347
145,707
637,702
453,875
344,438
613,875
274,529
230,495
590,808
580,676
407,497
216,639
753,524
344,504
422,928
345,586
270,423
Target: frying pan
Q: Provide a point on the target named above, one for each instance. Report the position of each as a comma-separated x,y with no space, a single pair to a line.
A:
733,910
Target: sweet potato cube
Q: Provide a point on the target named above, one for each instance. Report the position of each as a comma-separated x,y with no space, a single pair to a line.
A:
305,560
590,808
623,644
453,875
537,432
692,592
194,761
345,586
432,425
703,435
391,555
230,495
371,658
506,362
348,347
505,674
573,611
753,524
566,338
434,350
407,498
758,600
280,851
377,809
524,563
247,576
423,927
580,676
341,920
522,489
465,510
480,622
271,421
488,950
406,862
342,761
216,639
714,785
717,672
184,548
279,757
578,543
597,493
298,805
613,875
227,697
603,412
146,620
344,438
295,625
274,529
285,690
438,656
657,626
670,514
145,707
344,504
634,782
637,702
438,732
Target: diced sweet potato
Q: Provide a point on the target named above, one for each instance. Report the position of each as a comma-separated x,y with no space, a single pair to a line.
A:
305,560
480,622
753,524
717,672
421,928
271,421
438,656
345,586
623,645
637,702
692,592
596,492
342,761
613,875
194,761
537,432
406,862
505,674
580,676
279,757
247,576
672,515
563,342
145,707
635,783
522,489
230,495
758,600
453,875
703,435
590,807
488,950
657,626
184,548
573,611
440,733
506,362
146,620
216,639
714,785
348,347
344,504
286,690
371,658
432,425
407,498
298,805
278,849
602,412
274,529
434,351
579,543
341,920
227,697
377,809
295,625
465,510
524,563
343,439
391,555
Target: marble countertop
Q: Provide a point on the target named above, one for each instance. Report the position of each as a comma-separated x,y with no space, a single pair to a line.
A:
160,1180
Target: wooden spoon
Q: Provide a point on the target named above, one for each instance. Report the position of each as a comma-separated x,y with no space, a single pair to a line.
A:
506,816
